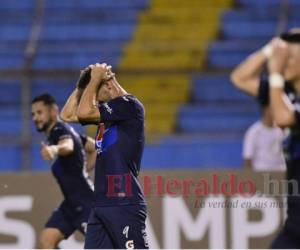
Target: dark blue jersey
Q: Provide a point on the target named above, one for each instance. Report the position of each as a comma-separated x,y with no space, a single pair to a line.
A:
70,171
120,144
291,147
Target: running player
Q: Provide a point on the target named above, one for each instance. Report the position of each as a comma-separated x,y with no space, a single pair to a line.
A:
65,148
118,217
282,90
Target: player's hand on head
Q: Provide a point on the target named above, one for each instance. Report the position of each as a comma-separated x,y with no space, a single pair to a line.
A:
48,152
109,73
101,72
278,59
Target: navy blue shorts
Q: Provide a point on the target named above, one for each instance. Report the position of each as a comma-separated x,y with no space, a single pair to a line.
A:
69,219
121,227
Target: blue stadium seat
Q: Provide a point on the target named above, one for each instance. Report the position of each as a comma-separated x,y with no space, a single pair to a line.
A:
140,4
245,15
252,29
249,30
88,32
112,47
91,16
16,60
10,157
229,53
37,161
194,154
265,3
216,88
17,5
75,60
14,33
60,90
7,88
13,17
191,119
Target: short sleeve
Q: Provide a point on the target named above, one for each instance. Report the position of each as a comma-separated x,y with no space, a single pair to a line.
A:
249,143
59,133
118,109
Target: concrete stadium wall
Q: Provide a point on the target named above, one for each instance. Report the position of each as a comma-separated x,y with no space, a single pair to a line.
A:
187,209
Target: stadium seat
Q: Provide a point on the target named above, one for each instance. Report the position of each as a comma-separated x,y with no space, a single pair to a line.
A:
194,154
7,88
216,88
10,157
138,4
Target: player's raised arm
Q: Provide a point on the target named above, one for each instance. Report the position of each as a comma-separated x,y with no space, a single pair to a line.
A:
246,76
68,113
88,111
282,108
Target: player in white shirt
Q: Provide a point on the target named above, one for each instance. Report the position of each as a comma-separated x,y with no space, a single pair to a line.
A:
262,147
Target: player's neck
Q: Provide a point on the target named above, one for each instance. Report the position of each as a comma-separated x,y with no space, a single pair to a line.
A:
52,124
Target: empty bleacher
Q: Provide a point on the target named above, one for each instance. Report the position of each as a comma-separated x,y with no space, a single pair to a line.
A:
74,34
177,57
212,125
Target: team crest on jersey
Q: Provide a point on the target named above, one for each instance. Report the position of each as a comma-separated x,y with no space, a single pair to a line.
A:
105,138
99,137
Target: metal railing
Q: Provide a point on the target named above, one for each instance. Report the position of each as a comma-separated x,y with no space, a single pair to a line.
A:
30,52
283,17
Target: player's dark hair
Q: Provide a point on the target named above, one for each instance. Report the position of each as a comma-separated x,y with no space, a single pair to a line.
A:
292,36
84,78
46,98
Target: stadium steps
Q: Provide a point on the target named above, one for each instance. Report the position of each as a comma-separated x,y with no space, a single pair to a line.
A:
169,38
213,123
104,27
194,152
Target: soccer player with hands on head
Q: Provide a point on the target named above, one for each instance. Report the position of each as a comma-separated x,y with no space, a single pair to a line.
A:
281,90
117,219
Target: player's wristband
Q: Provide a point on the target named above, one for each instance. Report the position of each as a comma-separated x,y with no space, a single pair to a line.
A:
267,51
276,80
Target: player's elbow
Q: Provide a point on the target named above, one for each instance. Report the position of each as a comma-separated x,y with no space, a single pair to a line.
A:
68,118
236,79
67,150
65,117
82,114
284,119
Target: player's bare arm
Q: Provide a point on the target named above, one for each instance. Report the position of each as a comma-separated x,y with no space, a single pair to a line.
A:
91,153
68,113
65,147
246,76
282,108
88,107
